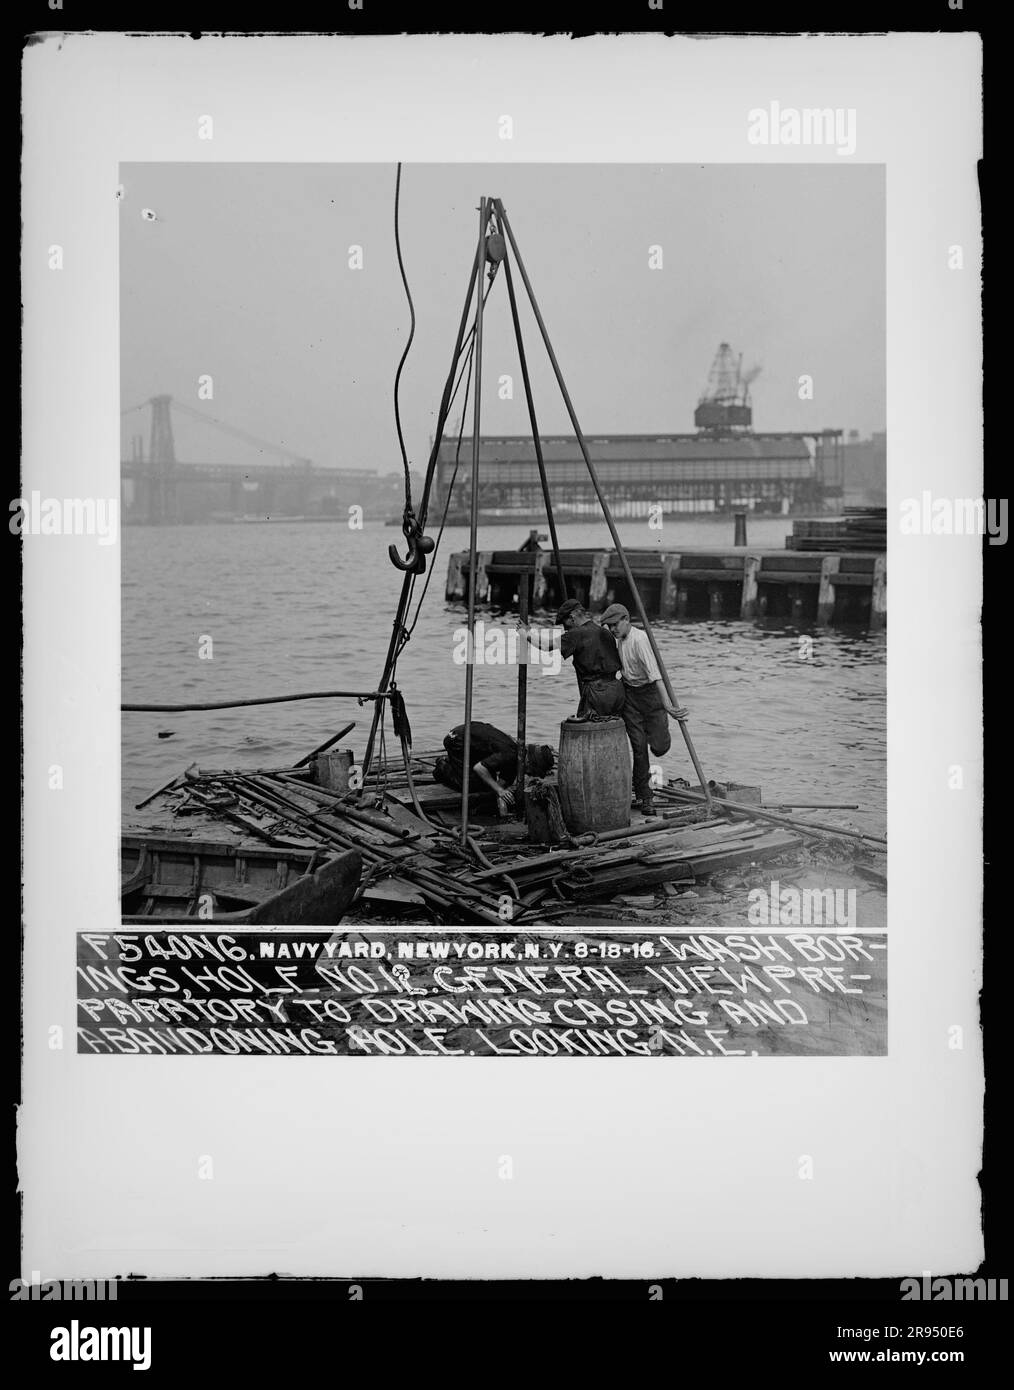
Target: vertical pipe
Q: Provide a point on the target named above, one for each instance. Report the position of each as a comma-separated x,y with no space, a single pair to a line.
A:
606,512
543,478
739,533
473,527
523,587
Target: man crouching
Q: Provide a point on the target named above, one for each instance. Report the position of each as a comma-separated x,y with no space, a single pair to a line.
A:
494,758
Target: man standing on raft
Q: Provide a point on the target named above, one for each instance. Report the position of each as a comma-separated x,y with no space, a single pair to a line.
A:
596,660
647,708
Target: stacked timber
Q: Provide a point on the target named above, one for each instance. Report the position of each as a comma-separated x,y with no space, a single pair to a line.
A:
858,529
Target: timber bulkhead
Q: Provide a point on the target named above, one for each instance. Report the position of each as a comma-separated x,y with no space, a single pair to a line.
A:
827,588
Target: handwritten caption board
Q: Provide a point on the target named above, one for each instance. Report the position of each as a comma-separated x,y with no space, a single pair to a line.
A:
454,994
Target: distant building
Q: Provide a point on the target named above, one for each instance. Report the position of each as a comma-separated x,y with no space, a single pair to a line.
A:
865,470
681,472
725,466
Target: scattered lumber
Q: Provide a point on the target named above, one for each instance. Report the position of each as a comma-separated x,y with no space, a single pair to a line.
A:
412,856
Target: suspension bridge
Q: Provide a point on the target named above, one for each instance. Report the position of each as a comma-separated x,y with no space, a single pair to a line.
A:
161,490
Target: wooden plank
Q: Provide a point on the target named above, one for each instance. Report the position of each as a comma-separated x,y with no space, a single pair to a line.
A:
851,581
686,574
785,562
608,885
788,577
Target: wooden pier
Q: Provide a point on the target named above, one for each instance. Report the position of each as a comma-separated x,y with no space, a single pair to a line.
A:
827,588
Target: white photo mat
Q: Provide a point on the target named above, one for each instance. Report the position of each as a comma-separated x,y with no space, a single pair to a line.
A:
336,1167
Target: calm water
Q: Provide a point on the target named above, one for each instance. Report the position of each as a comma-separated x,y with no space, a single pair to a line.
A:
294,607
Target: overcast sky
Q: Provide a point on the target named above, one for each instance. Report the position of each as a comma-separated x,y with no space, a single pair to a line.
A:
244,275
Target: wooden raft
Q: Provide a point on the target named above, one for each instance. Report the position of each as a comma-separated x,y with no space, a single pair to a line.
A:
406,832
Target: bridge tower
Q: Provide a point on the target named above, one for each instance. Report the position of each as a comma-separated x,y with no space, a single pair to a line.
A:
163,502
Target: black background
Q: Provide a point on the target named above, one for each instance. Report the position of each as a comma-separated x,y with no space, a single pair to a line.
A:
765,1327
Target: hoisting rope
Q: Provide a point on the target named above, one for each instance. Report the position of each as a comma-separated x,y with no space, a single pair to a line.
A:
407,631
467,346
419,546
465,373
468,351
396,700
404,355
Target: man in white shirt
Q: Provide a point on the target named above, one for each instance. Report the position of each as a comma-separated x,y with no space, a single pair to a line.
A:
647,707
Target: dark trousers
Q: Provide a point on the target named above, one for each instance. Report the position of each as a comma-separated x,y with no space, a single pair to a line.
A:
449,770
448,774
647,728
603,697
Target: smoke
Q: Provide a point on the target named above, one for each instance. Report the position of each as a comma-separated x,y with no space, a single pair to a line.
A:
751,375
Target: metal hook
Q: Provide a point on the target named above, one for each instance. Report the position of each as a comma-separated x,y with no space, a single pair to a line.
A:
412,561
419,546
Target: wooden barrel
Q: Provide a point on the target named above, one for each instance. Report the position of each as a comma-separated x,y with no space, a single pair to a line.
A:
594,775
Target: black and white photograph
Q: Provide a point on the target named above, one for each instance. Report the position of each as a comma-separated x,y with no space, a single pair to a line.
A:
463,730
354,591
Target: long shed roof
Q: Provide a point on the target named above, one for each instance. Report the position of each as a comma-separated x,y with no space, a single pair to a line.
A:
635,448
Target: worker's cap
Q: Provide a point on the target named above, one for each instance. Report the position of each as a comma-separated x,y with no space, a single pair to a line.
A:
566,608
614,613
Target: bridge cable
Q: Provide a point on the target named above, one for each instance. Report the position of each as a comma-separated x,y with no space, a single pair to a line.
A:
264,445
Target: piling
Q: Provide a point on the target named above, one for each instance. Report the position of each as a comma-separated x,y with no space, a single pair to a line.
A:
482,562
878,601
829,567
739,533
835,586
669,590
748,598
599,582
539,580
455,590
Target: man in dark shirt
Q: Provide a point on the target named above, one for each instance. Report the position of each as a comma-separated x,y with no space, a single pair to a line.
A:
596,661
494,758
